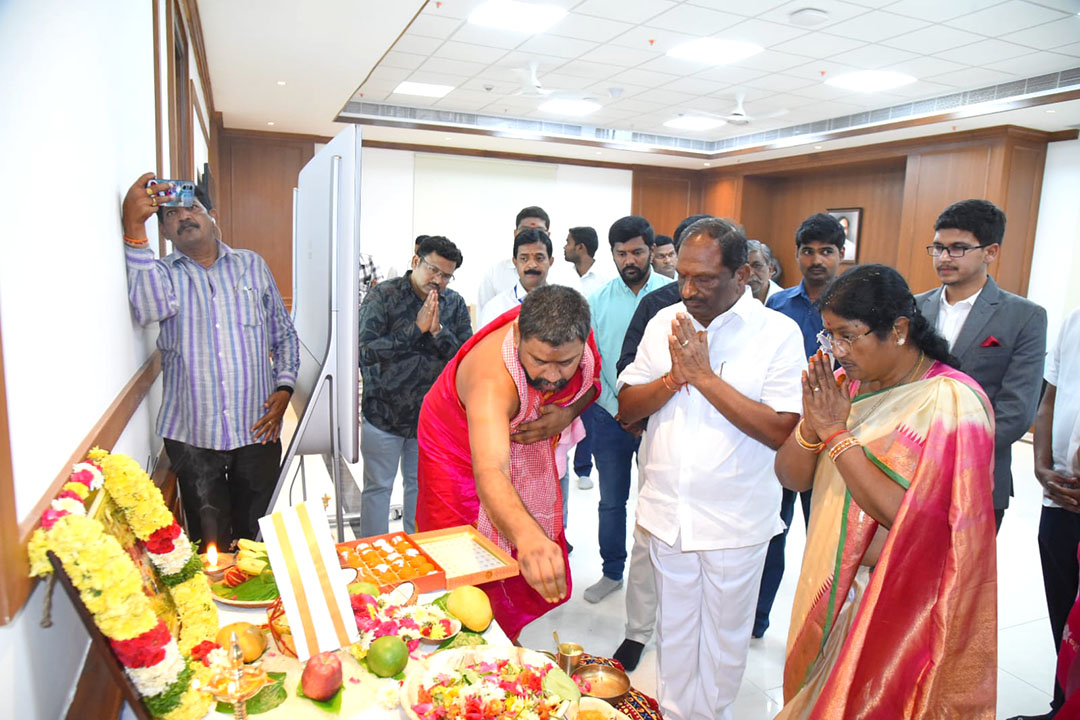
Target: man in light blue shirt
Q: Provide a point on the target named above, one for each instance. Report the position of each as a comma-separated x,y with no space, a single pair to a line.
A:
614,445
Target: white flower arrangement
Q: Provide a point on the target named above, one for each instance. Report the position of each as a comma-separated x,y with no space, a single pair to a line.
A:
173,562
156,679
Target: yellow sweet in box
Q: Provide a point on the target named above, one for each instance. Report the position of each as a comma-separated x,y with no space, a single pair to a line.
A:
471,606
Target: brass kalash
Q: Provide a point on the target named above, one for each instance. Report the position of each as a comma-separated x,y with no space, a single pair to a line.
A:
234,682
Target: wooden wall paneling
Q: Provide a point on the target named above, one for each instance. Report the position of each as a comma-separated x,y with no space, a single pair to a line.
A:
663,197
933,181
258,177
1024,172
721,195
14,585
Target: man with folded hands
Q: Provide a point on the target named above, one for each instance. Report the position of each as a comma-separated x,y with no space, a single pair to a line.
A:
1000,338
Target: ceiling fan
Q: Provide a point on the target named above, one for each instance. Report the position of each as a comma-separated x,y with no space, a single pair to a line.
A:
532,87
739,116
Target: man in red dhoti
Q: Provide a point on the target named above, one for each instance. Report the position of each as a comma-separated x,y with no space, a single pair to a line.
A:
489,433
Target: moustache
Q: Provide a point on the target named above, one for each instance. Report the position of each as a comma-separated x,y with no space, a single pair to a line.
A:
186,225
533,272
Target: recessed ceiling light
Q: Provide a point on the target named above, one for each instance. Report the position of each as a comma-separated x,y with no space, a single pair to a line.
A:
571,108
517,16
870,80
280,82
422,89
808,17
599,153
714,51
1051,111
708,164
695,123
817,147
271,123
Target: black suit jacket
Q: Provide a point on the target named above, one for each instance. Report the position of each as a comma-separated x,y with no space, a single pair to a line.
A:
1002,345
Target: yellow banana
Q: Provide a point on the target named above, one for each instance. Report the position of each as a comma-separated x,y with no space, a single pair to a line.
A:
251,566
255,546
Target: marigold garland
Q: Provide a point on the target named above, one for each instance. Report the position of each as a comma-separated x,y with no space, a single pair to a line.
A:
110,586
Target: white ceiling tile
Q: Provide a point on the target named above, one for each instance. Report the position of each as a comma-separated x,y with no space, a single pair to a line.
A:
618,55
556,46
587,27
773,103
460,99
973,78
750,9
521,61
821,91
819,45
819,70
434,25
876,25
1008,17
933,39
763,33
643,77
1073,50
925,67
650,38
1070,6
729,74
772,61
983,52
693,20
469,53
389,74
635,105
923,89
623,90
1049,36
721,104
584,68
936,10
672,66
670,97
452,67
731,93
491,37
632,11
560,81
437,78
874,57
460,9
838,11
778,82
416,44
403,60
695,86
1039,63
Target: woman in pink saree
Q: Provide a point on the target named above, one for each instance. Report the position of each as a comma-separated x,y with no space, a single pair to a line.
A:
489,432
895,609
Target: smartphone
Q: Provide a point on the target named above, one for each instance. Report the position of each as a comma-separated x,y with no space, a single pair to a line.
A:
184,193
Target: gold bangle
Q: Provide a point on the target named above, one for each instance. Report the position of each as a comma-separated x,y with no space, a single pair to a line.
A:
841,447
814,448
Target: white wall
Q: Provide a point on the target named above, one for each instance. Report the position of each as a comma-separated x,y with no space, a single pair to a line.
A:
473,201
77,128
1055,265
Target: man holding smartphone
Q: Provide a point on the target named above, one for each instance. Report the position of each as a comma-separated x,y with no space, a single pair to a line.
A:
229,356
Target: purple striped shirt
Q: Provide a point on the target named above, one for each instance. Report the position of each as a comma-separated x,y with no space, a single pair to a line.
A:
226,342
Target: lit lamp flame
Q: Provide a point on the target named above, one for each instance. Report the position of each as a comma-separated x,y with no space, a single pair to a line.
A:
211,556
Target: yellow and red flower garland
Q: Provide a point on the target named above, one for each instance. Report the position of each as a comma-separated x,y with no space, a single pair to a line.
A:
110,586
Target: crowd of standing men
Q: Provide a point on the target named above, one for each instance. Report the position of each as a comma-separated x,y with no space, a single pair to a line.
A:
690,363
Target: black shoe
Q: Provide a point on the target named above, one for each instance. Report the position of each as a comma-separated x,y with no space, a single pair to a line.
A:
629,654
569,548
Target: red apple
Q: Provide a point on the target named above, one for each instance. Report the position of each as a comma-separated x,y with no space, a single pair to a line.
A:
322,676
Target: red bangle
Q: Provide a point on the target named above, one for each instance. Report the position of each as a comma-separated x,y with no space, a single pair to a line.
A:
136,243
833,436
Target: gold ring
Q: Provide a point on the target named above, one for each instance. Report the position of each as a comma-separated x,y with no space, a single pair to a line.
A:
817,389
685,343
153,201
149,191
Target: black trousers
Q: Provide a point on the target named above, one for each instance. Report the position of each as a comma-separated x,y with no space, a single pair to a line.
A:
224,492
1059,535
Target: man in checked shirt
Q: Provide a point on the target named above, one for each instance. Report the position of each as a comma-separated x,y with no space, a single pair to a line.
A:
229,358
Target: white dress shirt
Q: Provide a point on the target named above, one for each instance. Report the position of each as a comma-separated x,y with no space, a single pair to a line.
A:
501,276
1063,372
951,318
499,304
707,483
592,280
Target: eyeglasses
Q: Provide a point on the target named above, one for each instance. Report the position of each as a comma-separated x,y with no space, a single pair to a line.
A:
758,266
955,251
829,343
436,272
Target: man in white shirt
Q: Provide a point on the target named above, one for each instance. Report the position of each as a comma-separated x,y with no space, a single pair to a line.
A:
502,275
1057,468
760,260
999,338
532,260
718,375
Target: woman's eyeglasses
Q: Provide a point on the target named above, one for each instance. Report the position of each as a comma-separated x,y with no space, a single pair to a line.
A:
830,344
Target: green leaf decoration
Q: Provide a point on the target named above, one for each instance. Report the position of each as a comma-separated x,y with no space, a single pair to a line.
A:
440,602
465,638
257,589
333,705
268,698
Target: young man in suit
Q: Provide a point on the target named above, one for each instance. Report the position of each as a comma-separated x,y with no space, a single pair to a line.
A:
1000,338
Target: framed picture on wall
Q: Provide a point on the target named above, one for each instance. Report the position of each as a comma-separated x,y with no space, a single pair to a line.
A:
851,219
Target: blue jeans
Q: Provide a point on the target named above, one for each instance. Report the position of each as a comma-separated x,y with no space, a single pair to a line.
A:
774,566
382,452
613,451
564,484
583,451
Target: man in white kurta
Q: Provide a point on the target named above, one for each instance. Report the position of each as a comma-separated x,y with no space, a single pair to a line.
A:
718,374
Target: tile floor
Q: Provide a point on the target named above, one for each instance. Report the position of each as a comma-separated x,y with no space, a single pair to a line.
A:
1026,656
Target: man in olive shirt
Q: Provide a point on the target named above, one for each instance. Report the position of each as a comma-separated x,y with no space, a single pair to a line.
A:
410,327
